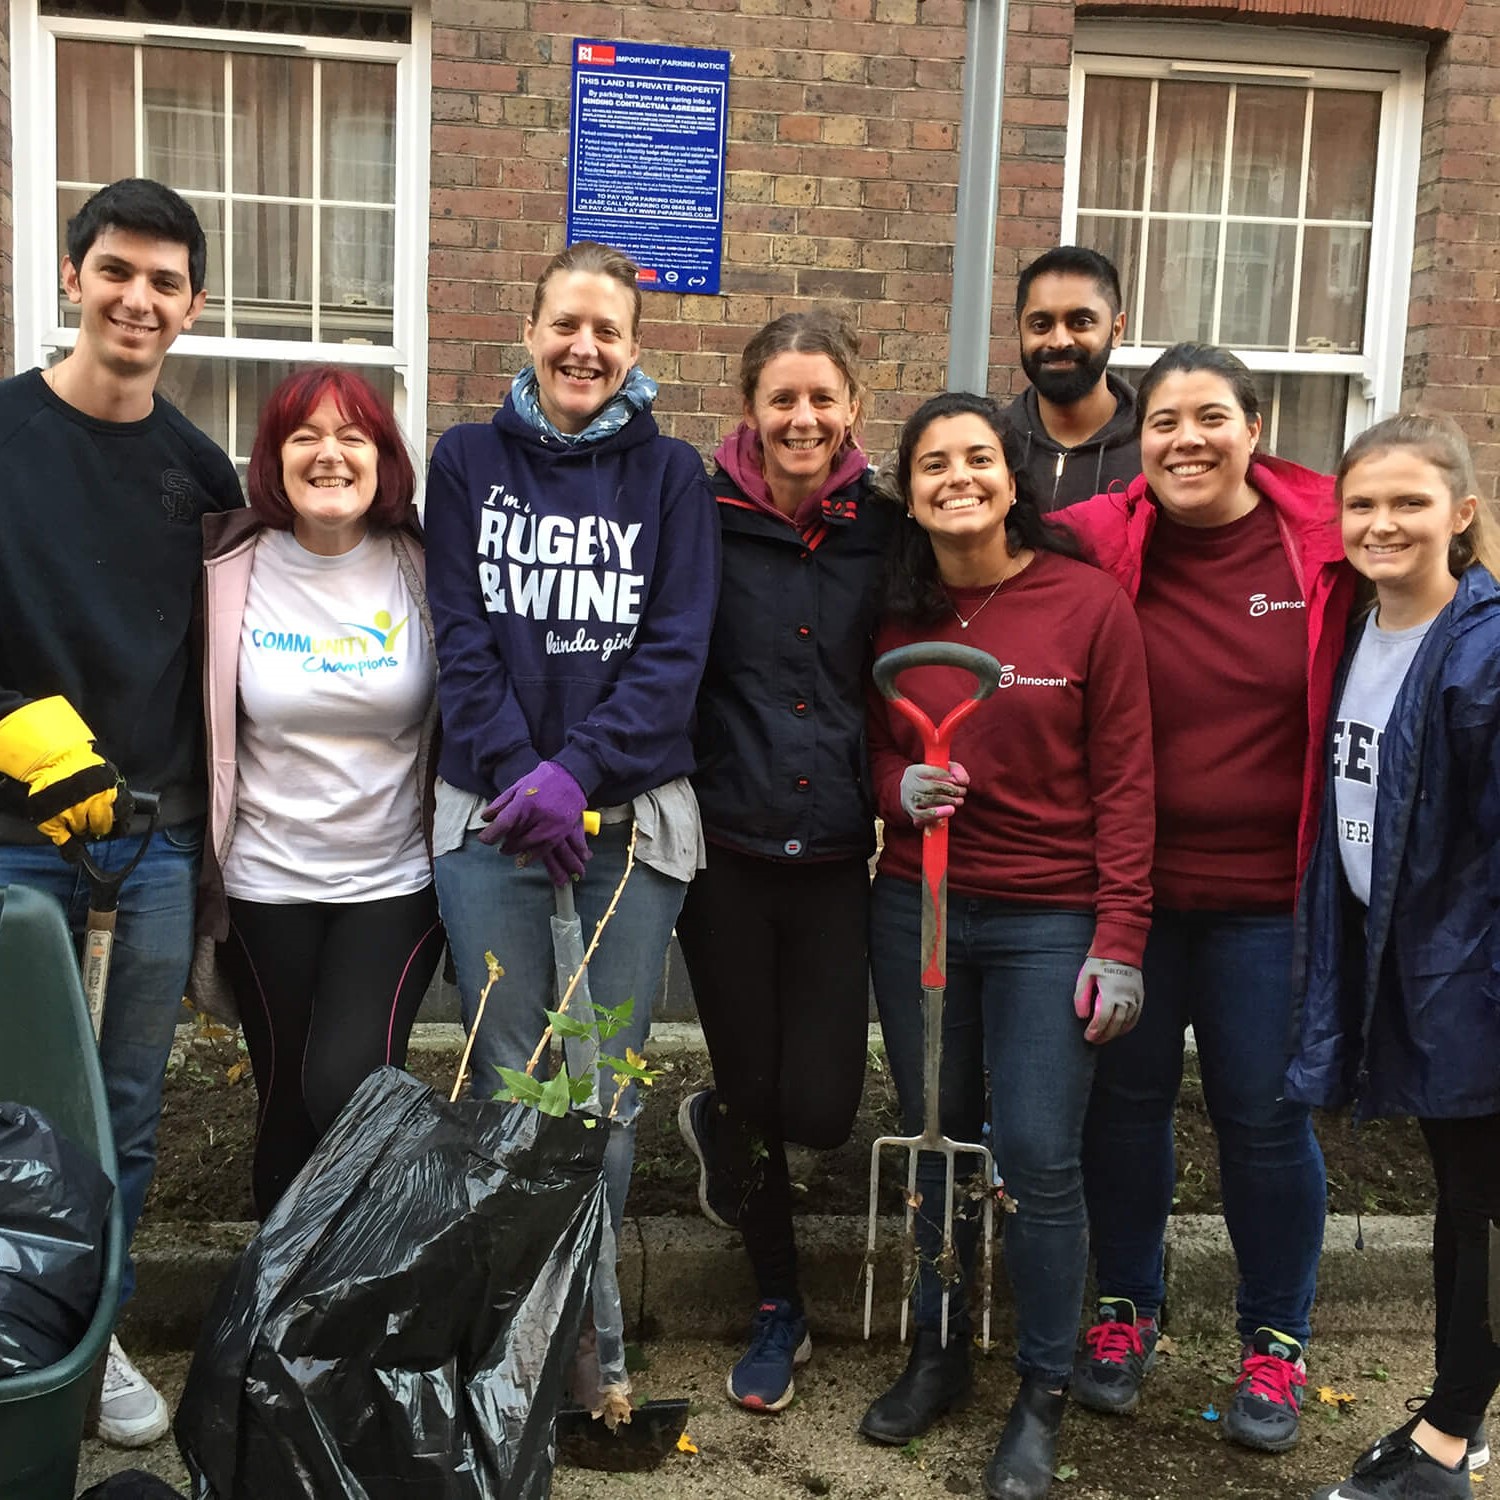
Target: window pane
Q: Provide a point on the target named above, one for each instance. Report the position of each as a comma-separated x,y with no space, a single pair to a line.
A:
1181,262
1335,269
184,117
95,112
1188,169
1257,311
1120,240
1266,177
1116,115
1310,411
359,132
273,126
199,389
1346,127
210,213
272,270
358,273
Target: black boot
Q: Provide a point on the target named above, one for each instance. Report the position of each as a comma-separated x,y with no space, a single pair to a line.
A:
935,1381
1021,1466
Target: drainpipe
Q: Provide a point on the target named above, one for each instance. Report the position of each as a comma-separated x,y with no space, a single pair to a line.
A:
978,198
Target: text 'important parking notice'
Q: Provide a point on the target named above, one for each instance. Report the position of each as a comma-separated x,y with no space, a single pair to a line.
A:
646,158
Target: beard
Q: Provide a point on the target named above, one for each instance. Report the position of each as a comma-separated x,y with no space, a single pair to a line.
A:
1064,381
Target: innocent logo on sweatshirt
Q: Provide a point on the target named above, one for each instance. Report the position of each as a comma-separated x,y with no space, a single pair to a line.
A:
1010,678
1260,605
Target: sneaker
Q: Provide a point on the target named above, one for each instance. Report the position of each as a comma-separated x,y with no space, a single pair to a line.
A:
131,1411
716,1196
1267,1408
1117,1351
779,1342
1479,1445
1479,1450
1396,1469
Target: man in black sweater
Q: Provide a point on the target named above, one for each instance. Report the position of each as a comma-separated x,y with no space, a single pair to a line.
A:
1078,419
102,488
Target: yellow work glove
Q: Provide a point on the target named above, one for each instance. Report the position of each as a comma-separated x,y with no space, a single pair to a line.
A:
50,750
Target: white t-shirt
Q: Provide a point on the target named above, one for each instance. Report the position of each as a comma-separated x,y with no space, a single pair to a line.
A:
1381,662
335,675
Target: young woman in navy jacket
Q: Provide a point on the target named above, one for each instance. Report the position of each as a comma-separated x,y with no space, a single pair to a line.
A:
774,929
1399,921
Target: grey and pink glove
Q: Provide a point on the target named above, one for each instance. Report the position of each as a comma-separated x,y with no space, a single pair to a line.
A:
1109,996
930,792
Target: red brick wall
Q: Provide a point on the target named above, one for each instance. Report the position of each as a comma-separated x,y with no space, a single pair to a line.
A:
1453,338
842,173
7,217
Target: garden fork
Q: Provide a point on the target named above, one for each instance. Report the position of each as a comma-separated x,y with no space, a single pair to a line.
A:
936,744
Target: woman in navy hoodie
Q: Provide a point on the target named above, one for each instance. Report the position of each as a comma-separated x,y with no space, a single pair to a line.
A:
1399,920
572,573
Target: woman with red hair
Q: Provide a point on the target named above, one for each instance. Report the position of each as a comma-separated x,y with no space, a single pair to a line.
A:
320,701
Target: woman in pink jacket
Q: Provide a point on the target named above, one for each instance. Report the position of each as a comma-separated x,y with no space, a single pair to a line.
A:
320,700
1236,568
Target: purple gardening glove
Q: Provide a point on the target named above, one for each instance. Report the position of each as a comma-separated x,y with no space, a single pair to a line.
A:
929,793
543,807
565,859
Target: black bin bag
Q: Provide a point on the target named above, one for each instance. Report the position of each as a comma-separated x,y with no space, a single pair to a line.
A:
54,1204
405,1320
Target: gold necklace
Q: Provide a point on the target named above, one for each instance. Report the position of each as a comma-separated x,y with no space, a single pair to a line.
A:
963,621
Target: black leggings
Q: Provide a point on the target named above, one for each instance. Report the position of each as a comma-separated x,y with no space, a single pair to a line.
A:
327,994
777,954
1466,1161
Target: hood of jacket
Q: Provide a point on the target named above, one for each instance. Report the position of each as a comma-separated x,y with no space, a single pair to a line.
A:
1108,459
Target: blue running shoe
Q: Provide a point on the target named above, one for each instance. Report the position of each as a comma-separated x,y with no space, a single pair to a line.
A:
779,1342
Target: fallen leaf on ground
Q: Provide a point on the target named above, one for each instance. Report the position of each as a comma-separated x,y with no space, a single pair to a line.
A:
1165,1344
1330,1397
685,1444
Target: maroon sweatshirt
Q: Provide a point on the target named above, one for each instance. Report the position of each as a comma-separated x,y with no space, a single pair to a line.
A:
1226,642
1059,811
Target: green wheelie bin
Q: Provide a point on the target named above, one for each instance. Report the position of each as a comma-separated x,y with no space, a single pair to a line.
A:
49,1060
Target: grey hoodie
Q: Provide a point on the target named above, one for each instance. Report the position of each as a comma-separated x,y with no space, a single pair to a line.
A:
1060,476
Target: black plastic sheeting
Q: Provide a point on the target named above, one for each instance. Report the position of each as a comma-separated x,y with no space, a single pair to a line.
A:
54,1204
404,1323
132,1484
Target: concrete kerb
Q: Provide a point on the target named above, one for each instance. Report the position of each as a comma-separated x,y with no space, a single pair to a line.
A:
683,1278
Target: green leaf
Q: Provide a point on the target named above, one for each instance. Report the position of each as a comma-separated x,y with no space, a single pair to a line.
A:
613,1019
557,1094
564,1024
520,1086
621,1069
581,1090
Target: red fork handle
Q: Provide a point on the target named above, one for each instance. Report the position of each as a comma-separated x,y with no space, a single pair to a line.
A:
937,741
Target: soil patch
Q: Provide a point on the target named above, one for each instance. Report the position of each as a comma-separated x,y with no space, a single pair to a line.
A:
208,1128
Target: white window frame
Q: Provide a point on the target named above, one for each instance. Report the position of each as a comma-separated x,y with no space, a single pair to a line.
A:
39,332
1260,54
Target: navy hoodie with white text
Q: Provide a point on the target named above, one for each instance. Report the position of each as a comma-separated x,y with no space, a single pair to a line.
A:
572,591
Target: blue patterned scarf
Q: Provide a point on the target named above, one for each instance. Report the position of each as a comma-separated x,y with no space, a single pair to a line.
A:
637,394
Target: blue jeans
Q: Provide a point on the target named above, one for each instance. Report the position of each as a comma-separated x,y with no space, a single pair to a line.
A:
1228,974
486,902
1008,1013
148,972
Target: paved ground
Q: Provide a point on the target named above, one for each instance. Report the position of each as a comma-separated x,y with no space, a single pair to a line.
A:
1168,1452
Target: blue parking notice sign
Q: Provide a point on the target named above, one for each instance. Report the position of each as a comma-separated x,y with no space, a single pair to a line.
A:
646,158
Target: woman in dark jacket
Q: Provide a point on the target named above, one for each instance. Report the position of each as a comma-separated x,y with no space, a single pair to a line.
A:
1400,913
774,928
